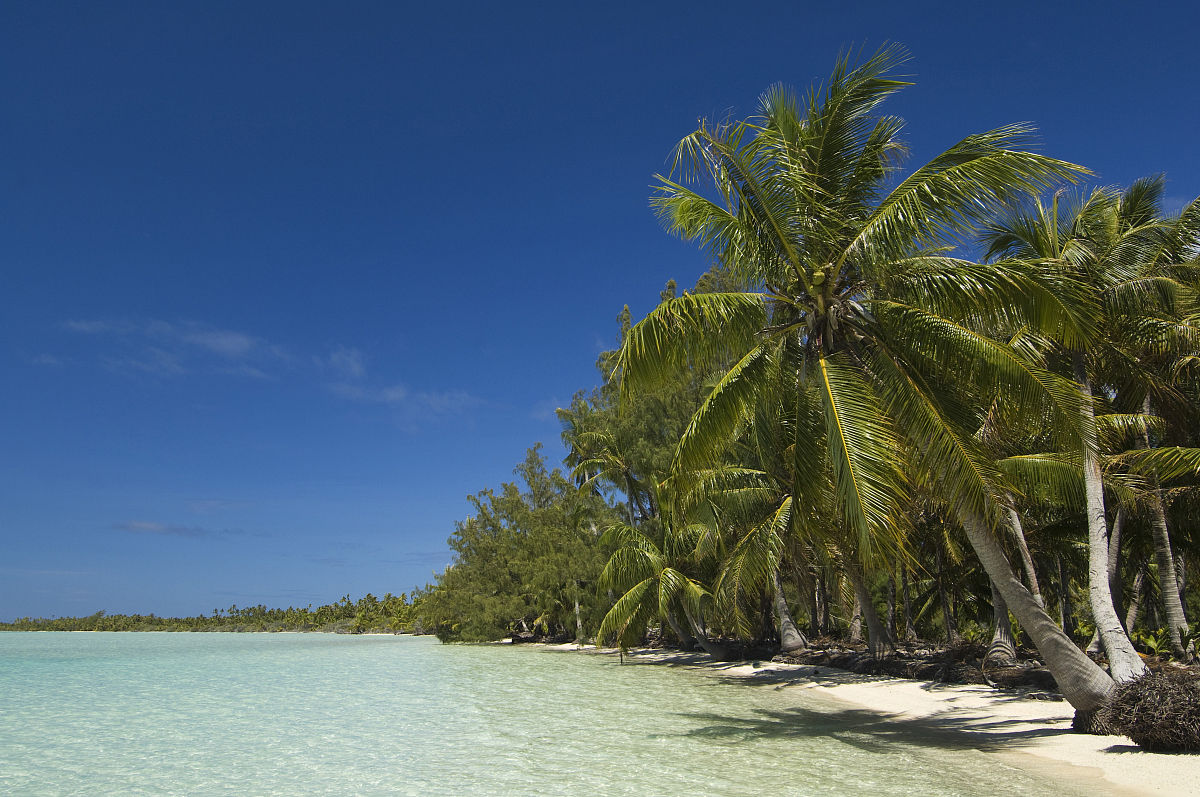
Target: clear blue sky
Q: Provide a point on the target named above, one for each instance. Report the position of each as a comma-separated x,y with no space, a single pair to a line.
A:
282,283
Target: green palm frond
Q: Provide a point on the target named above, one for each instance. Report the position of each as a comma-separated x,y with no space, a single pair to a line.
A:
721,412
978,358
970,182
999,294
691,330
1169,462
1049,478
947,453
747,569
862,446
629,616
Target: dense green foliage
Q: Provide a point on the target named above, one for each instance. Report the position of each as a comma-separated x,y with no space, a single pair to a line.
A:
527,559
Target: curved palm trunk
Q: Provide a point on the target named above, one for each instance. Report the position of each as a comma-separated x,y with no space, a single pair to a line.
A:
1002,649
718,652
685,639
790,637
1081,681
1026,560
1123,660
878,638
1096,645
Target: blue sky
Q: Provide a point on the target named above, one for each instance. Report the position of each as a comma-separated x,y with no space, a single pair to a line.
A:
283,283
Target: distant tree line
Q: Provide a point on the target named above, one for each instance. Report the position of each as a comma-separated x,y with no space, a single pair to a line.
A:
390,614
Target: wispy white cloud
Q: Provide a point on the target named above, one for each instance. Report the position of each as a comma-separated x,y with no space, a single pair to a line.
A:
165,348
168,349
93,327
213,506
48,360
426,402
347,362
225,342
448,402
389,394
161,529
149,360
177,530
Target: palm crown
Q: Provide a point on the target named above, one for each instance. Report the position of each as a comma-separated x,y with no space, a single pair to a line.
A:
852,287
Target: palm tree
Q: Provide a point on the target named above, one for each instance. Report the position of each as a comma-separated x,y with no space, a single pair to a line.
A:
854,288
657,580
1107,252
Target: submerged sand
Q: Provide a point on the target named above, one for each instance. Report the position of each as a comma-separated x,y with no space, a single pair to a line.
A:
1009,723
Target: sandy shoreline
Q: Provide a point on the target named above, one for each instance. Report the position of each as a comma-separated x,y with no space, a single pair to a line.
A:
1029,733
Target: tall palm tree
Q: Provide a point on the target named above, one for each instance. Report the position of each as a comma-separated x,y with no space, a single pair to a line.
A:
855,288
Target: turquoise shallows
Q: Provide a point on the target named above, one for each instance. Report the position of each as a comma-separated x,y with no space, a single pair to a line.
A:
261,714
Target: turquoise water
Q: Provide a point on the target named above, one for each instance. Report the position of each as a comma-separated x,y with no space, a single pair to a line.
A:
258,714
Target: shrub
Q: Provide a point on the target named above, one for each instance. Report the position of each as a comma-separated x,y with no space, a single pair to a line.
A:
1160,711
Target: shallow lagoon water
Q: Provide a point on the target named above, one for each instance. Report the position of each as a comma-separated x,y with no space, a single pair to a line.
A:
184,713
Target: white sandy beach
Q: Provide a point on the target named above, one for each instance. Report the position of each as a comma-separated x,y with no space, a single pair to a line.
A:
1012,724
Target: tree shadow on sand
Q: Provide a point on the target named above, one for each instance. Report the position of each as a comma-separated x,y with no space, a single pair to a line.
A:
871,731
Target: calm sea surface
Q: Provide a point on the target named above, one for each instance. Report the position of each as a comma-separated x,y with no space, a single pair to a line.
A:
258,714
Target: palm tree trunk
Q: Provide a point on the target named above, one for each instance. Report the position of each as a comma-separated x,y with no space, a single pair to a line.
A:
685,639
1066,607
1026,560
878,638
910,630
814,617
952,636
1135,602
823,595
1181,578
1002,649
807,590
1123,660
1081,681
855,629
718,652
891,607
1168,584
578,622
1114,561
790,637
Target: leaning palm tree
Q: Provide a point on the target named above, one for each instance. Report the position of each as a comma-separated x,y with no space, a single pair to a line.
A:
856,289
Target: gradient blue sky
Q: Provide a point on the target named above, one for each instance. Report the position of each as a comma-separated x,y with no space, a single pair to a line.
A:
283,283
